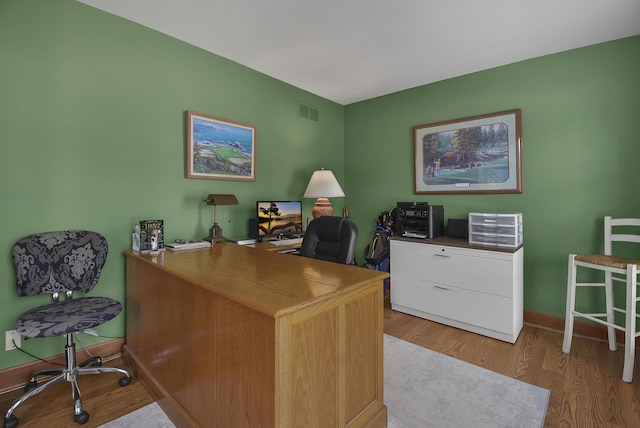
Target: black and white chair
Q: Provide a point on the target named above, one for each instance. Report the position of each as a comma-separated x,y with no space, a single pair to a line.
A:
330,238
61,263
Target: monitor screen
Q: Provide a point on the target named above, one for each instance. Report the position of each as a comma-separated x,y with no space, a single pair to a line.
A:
279,217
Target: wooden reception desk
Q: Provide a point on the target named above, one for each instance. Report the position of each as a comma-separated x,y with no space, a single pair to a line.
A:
237,337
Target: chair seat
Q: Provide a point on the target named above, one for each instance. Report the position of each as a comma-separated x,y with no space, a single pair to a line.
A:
608,261
67,316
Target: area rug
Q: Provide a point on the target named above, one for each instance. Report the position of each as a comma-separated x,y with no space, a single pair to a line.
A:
423,389
149,416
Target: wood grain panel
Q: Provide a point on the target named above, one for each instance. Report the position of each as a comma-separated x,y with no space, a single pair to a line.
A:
314,371
361,356
245,363
166,315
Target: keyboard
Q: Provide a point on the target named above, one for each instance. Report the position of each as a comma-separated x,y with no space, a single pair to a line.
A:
188,245
286,242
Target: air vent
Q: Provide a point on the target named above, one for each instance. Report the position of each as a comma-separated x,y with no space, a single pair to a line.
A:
307,112
303,111
314,114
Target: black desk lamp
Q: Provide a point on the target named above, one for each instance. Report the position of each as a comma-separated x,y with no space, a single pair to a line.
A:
215,233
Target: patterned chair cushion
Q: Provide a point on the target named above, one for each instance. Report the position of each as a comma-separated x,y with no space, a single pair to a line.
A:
67,316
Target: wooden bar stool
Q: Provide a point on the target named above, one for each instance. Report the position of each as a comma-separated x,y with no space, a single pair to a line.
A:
617,271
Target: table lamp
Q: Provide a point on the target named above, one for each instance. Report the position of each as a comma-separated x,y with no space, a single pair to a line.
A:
215,233
323,185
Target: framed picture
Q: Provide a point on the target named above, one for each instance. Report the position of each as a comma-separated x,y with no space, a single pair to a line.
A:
480,154
219,149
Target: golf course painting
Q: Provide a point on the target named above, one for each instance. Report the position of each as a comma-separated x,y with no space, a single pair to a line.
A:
219,148
480,154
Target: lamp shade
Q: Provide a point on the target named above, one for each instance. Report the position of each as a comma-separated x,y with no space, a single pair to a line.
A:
323,184
226,199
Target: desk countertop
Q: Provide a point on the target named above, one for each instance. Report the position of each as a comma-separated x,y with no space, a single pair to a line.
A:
271,283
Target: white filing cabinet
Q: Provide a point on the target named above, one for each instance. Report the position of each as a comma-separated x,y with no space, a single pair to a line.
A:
450,282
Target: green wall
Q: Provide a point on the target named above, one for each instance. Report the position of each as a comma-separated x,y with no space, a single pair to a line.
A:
92,136
580,152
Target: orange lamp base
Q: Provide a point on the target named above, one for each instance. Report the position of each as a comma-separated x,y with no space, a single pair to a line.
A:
322,207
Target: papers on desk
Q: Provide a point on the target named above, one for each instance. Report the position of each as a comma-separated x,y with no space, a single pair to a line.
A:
191,245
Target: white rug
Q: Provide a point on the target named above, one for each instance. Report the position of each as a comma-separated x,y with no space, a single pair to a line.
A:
150,415
423,389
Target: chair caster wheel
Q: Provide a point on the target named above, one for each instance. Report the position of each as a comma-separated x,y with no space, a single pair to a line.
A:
82,418
31,386
124,381
10,422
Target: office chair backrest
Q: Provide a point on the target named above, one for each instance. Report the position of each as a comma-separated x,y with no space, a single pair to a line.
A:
330,238
56,262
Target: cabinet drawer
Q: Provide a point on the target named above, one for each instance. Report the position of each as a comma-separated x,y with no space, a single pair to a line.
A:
488,238
493,229
475,270
479,309
510,219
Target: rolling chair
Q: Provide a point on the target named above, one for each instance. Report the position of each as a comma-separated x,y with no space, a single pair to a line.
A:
59,263
617,270
330,238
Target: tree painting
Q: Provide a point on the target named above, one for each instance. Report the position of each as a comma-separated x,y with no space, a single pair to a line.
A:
474,154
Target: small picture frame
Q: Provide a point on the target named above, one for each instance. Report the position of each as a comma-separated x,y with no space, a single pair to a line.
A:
479,154
219,149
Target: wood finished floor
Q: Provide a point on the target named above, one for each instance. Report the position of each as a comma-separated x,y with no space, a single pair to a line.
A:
586,386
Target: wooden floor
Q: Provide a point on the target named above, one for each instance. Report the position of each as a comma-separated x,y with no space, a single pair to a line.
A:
586,386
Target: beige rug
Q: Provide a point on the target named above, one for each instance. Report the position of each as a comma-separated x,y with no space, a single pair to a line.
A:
423,388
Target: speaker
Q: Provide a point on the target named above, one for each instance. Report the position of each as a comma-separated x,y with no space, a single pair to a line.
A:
458,228
254,230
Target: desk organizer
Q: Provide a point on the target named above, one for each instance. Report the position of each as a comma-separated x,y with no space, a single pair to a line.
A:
500,230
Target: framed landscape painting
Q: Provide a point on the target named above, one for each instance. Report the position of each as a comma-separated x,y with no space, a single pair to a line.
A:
479,154
219,149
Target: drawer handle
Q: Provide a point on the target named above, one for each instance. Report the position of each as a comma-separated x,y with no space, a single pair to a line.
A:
442,255
439,287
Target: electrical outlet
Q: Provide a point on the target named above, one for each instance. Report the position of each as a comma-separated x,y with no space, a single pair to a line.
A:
10,337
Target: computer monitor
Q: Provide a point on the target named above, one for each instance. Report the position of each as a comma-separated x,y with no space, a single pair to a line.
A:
277,218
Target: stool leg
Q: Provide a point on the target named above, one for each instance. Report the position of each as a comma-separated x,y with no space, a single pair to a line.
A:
608,294
630,324
571,302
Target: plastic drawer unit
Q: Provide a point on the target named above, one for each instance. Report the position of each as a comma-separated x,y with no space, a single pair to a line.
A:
496,229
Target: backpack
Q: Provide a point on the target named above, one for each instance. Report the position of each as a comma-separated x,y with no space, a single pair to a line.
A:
378,250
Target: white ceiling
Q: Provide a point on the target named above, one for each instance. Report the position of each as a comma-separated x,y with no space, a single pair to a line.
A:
353,50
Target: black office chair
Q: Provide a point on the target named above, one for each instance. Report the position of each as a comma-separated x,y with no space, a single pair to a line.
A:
330,238
59,263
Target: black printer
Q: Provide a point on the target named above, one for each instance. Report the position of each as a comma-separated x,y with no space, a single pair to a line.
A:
419,220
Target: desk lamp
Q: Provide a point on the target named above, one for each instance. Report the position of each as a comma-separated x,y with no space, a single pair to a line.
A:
215,233
323,185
